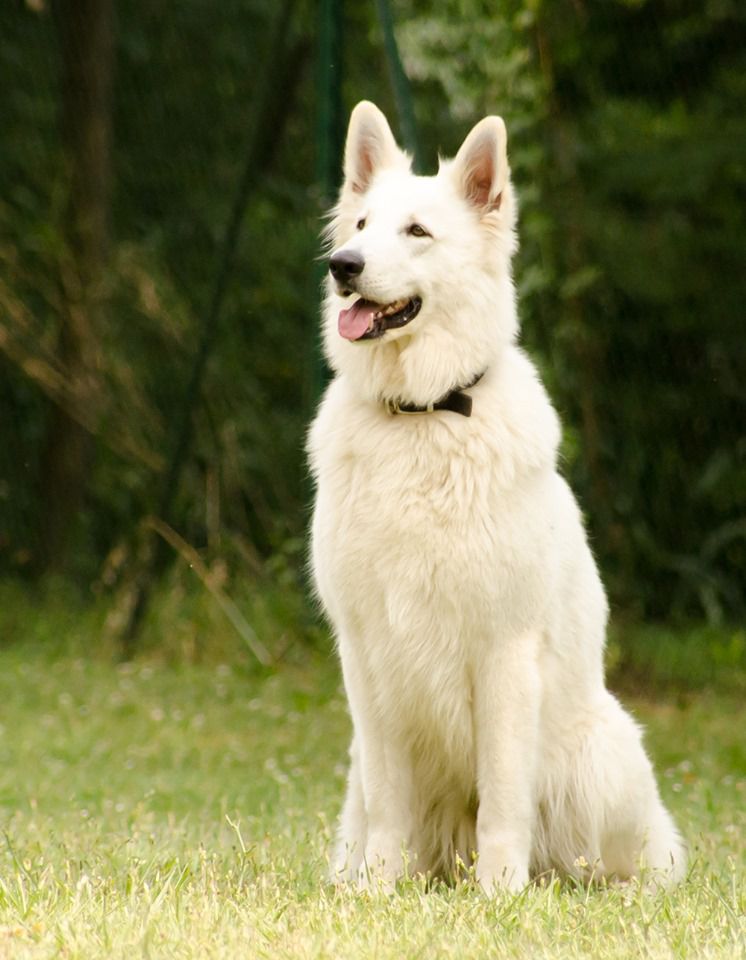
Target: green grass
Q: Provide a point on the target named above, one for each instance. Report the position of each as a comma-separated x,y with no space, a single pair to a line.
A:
155,810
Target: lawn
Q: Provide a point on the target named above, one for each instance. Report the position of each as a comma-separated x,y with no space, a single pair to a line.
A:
155,810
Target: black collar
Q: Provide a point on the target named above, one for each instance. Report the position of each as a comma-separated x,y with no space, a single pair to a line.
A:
455,400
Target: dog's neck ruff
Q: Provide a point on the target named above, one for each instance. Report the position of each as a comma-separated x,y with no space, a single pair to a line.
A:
455,400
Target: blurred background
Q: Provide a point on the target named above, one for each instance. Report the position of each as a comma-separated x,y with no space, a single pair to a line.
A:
164,169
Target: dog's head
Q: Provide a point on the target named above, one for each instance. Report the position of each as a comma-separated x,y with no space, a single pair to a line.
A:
418,258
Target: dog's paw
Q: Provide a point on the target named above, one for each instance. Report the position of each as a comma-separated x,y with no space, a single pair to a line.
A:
495,873
375,882
345,864
382,866
340,876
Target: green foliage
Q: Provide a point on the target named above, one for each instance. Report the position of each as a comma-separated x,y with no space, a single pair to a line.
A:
684,659
625,129
644,196
190,619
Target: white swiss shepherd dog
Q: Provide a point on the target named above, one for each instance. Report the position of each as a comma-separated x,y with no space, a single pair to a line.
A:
450,555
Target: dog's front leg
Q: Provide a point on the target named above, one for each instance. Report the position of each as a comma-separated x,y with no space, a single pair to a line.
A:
353,825
507,692
386,778
388,797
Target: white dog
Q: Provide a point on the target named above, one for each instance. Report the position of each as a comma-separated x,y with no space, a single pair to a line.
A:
451,556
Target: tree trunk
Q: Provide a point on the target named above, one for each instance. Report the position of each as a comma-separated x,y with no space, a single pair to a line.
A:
85,31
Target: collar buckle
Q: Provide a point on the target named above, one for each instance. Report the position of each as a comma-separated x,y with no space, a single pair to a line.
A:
455,401
394,407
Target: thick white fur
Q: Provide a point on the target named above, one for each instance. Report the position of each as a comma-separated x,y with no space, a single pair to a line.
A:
451,558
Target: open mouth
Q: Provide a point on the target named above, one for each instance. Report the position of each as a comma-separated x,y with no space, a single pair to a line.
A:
366,320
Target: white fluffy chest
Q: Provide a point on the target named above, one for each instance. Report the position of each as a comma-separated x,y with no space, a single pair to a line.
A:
423,537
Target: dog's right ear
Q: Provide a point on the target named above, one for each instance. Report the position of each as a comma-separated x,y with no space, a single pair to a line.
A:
370,147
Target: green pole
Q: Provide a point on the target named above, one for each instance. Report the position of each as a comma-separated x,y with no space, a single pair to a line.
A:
400,83
329,144
329,117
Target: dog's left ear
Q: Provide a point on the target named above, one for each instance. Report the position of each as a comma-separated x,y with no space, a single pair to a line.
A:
481,165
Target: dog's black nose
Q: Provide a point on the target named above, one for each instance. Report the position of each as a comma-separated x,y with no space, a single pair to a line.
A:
346,264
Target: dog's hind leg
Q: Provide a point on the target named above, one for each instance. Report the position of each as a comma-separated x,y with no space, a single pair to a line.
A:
353,825
663,850
646,843
638,836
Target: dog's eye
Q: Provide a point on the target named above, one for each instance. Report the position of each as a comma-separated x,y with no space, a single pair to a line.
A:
360,224
417,230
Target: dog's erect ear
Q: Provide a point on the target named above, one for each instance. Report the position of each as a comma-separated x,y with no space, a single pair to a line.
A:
481,165
370,147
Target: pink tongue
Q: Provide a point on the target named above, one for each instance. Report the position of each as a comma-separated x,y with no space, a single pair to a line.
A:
353,323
